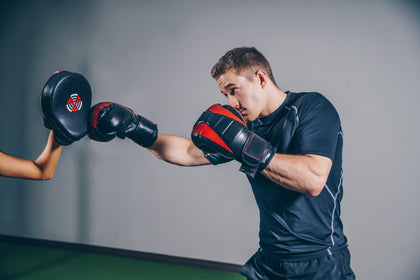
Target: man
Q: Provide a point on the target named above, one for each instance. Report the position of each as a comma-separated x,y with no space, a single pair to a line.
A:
291,151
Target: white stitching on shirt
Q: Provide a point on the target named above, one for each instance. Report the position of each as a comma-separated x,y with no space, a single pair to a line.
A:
335,205
296,111
297,116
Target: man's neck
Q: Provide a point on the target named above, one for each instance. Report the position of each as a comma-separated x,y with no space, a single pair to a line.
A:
275,97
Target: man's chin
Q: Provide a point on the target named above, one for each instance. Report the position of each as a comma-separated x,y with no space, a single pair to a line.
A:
247,118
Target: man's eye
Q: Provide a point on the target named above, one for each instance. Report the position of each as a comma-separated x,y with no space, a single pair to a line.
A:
233,91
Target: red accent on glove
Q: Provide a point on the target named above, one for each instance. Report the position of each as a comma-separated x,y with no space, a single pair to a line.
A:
206,131
96,112
217,109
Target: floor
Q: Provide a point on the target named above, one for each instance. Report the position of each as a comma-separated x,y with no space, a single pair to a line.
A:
33,262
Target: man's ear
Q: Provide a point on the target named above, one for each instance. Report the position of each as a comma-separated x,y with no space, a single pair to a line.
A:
262,77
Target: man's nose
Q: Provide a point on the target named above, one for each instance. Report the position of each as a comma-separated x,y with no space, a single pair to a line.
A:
233,101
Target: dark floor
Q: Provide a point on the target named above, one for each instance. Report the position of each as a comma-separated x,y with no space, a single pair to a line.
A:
32,262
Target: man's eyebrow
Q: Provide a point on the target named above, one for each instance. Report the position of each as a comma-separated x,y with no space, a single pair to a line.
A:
229,86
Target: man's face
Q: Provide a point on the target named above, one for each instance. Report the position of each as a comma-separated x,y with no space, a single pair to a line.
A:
244,95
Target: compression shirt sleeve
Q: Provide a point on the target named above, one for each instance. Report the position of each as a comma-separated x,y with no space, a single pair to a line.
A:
319,126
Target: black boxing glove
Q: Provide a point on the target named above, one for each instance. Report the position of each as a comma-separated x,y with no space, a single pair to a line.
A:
108,120
221,129
216,158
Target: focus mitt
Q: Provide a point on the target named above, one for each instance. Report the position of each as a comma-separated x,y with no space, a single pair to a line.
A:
65,102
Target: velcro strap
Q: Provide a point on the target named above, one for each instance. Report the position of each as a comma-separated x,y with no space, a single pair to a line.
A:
256,155
145,133
254,149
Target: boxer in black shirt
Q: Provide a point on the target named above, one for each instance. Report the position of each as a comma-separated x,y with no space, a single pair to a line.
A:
290,148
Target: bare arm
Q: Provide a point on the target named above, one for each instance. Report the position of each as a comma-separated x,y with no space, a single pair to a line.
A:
302,173
177,150
42,168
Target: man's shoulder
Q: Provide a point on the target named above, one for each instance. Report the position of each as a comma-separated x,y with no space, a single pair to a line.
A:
310,103
307,96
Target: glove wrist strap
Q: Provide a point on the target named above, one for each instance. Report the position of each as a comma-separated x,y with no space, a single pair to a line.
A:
145,133
256,155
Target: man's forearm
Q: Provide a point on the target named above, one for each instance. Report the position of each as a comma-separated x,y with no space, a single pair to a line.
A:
177,150
302,173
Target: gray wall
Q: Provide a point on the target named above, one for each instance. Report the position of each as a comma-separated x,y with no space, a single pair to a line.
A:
155,56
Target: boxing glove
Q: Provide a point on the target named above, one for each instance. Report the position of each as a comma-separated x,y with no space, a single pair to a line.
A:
109,120
221,129
216,158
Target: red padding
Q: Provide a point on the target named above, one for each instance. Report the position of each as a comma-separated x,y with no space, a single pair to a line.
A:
217,109
96,112
205,130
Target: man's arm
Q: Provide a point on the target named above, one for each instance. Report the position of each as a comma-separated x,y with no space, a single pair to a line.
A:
42,168
221,130
109,120
177,150
302,173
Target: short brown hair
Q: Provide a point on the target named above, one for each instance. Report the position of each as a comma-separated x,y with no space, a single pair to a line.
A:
245,60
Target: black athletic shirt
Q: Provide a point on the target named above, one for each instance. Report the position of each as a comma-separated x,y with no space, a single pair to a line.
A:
296,226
